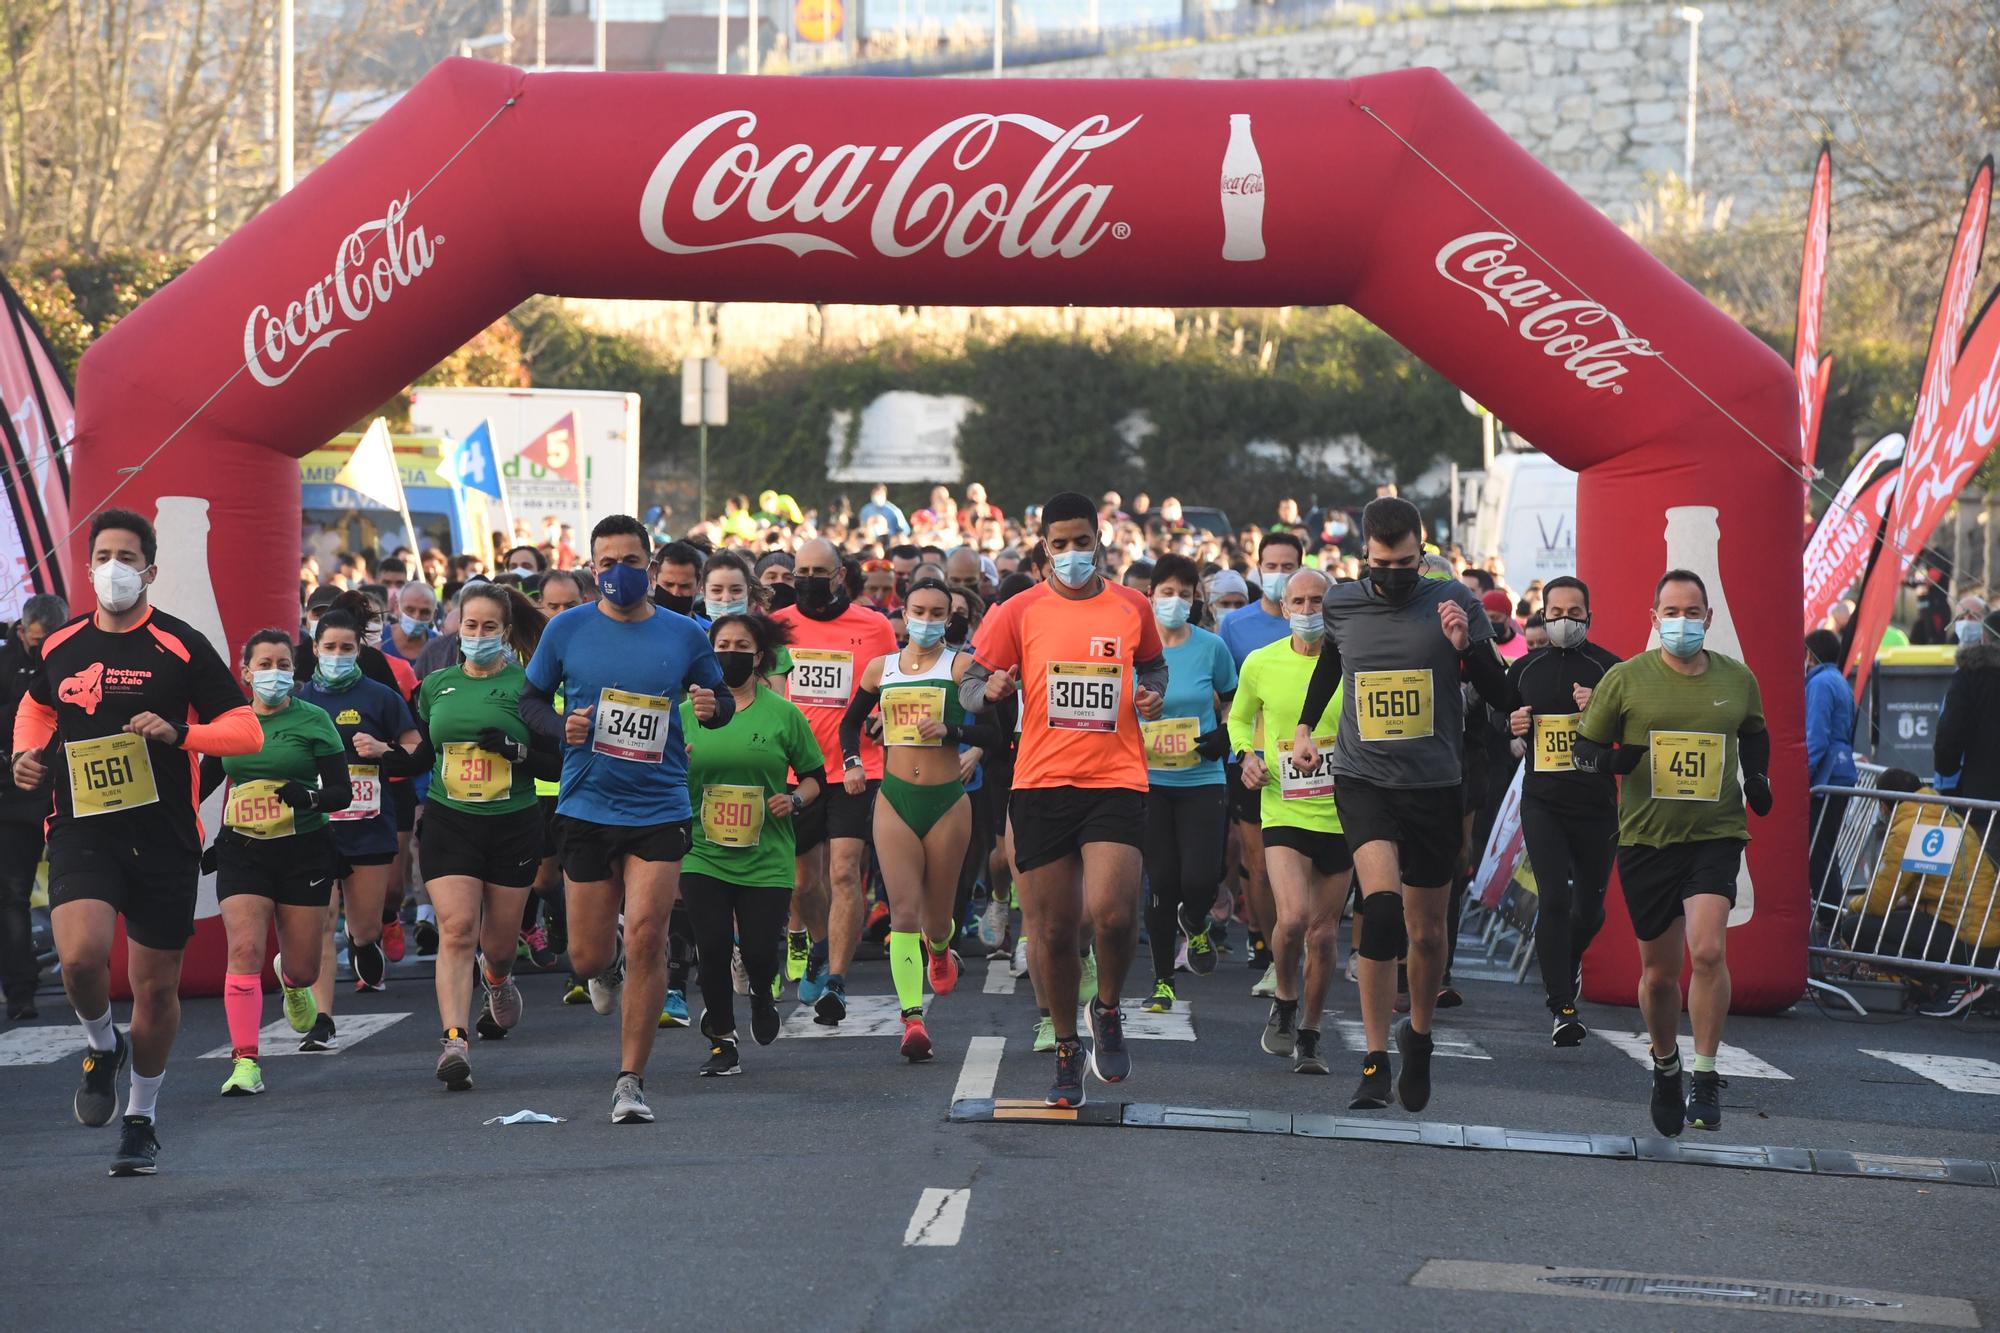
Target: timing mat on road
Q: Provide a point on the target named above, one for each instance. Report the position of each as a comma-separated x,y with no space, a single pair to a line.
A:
1490,1138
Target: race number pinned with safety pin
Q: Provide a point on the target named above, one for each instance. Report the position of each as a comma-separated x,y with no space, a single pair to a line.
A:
1296,783
1393,705
1555,742
1687,765
732,816
1170,742
1083,696
905,708
110,773
366,780
821,678
631,726
473,775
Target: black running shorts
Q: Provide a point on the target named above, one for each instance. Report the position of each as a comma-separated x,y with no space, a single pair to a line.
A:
503,850
1657,880
836,815
589,850
152,888
1425,823
1327,851
291,872
1053,822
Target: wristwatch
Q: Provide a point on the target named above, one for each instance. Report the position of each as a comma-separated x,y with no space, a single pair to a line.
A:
798,803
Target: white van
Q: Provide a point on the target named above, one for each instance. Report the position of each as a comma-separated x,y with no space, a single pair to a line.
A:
1526,515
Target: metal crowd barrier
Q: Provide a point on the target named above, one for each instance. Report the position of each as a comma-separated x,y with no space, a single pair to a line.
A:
1948,853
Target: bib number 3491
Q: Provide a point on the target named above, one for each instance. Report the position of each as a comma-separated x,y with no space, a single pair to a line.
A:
631,726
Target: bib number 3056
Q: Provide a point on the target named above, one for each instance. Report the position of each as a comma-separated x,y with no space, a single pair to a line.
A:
1083,696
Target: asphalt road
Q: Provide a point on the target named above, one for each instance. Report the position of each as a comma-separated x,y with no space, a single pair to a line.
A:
357,1192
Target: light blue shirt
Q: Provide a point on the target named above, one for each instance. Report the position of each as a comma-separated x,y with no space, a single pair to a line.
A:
1248,628
1197,671
898,525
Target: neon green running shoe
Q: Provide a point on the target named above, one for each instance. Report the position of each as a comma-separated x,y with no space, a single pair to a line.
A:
798,948
245,1079
778,987
1163,998
1086,984
1045,1035
300,1006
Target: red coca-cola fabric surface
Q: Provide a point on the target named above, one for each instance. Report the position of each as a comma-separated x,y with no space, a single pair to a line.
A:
1391,193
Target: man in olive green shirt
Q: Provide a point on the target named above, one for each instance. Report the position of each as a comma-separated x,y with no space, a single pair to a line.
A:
1683,719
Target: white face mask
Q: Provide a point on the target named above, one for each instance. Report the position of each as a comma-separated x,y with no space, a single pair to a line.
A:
1566,633
118,586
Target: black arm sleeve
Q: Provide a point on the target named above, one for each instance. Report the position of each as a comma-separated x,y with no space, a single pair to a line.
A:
1487,674
401,763
985,734
816,775
1753,750
545,759
858,708
725,708
538,711
1593,757
336,789
1325,681
211,775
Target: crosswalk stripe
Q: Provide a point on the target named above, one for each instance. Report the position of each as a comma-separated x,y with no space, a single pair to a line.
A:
1730,1061
1960,1073
1355,1038
999,981
939,1218
40,1045
278,1038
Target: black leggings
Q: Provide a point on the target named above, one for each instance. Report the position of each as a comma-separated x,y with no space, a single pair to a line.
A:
751,919
20,854
1187,829
1572,856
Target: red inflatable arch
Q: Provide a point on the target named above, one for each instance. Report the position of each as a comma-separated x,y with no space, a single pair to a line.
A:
1392,194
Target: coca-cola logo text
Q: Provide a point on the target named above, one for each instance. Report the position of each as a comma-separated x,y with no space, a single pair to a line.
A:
1250,182
935,194
1592,343
367,271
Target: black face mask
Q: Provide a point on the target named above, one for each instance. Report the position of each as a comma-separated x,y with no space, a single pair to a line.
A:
667,601
783,595
815,590
736,667
902,587
957,628
1394,585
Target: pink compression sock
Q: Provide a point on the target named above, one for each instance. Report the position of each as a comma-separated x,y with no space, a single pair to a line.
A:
243,1002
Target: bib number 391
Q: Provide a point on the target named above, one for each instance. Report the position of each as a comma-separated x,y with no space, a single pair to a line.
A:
1083,696
1392,705
631,726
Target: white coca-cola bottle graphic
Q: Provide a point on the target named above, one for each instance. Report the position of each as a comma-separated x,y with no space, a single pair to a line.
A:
1694,542
1242,194
183,588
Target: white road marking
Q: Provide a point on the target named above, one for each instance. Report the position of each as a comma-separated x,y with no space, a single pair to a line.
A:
939,1218
1177,1024
867,1016
1355,1038
999,981
40,1045
1730,1061
1960,1073
279,1039
981,1069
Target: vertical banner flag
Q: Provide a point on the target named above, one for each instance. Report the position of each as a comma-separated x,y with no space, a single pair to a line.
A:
1899,549
1812,300
1504,846
37,422
554,450
471,463
1838,551
372,472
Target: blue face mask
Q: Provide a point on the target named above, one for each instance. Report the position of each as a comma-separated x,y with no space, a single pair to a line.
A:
1309,628
484,650
1074,568
271,687
1682,636
1273,586
717,610
1969,632
1172,612
926,633
414,629
622,585
337,671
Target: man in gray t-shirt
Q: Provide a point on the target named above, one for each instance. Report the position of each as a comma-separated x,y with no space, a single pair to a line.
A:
1399,643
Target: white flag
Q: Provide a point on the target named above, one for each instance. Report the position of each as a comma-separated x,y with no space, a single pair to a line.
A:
371,471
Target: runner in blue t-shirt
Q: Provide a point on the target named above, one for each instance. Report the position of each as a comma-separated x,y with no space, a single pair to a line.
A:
622,666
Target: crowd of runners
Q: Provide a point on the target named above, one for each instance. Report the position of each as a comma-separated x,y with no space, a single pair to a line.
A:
734,759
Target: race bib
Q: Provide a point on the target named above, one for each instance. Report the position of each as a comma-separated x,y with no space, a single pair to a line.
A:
476,776
822,679
732,816
1392,705
1298,784
1687,765
1555,742
905,708
1170,742
366,779
255,811
631,726
110,773
1083,696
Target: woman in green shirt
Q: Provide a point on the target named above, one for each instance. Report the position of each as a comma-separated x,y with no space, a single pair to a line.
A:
273,857
738,876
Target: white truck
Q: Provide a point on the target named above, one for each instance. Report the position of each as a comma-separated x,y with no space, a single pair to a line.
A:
603,428
1525,513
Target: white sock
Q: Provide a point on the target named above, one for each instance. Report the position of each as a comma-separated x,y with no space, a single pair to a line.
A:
100,1032
425,912
145,1093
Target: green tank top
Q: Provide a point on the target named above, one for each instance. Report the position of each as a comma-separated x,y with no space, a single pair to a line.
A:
908,698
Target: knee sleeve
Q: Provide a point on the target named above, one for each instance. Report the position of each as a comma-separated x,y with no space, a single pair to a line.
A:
1384,937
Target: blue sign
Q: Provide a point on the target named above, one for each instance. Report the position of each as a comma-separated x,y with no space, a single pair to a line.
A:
472,464
1932,849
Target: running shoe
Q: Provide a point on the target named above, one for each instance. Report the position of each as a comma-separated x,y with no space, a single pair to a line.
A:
1017,966
1045,1035
1449,998
1960,998
1569,1029
454,1069
628,1102
813,984
22,1011
764,1020
1201,956
520,948
1109,1059
1162,1001
739,975
876,929
943,968
393,944
916,1038
502,1009
798,947
1280,1028
831,1007
138,1148
1260,952
245,1078
1413,1089
427,937
540,953
576,992
370,966
1306,1058
674,1012
1704,1107
301,1009
606,985
1352,969
1086,981
1374,1092
721,1061
321,1038
1267,985
1068,1087
993,923
1669,1105
97,1096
